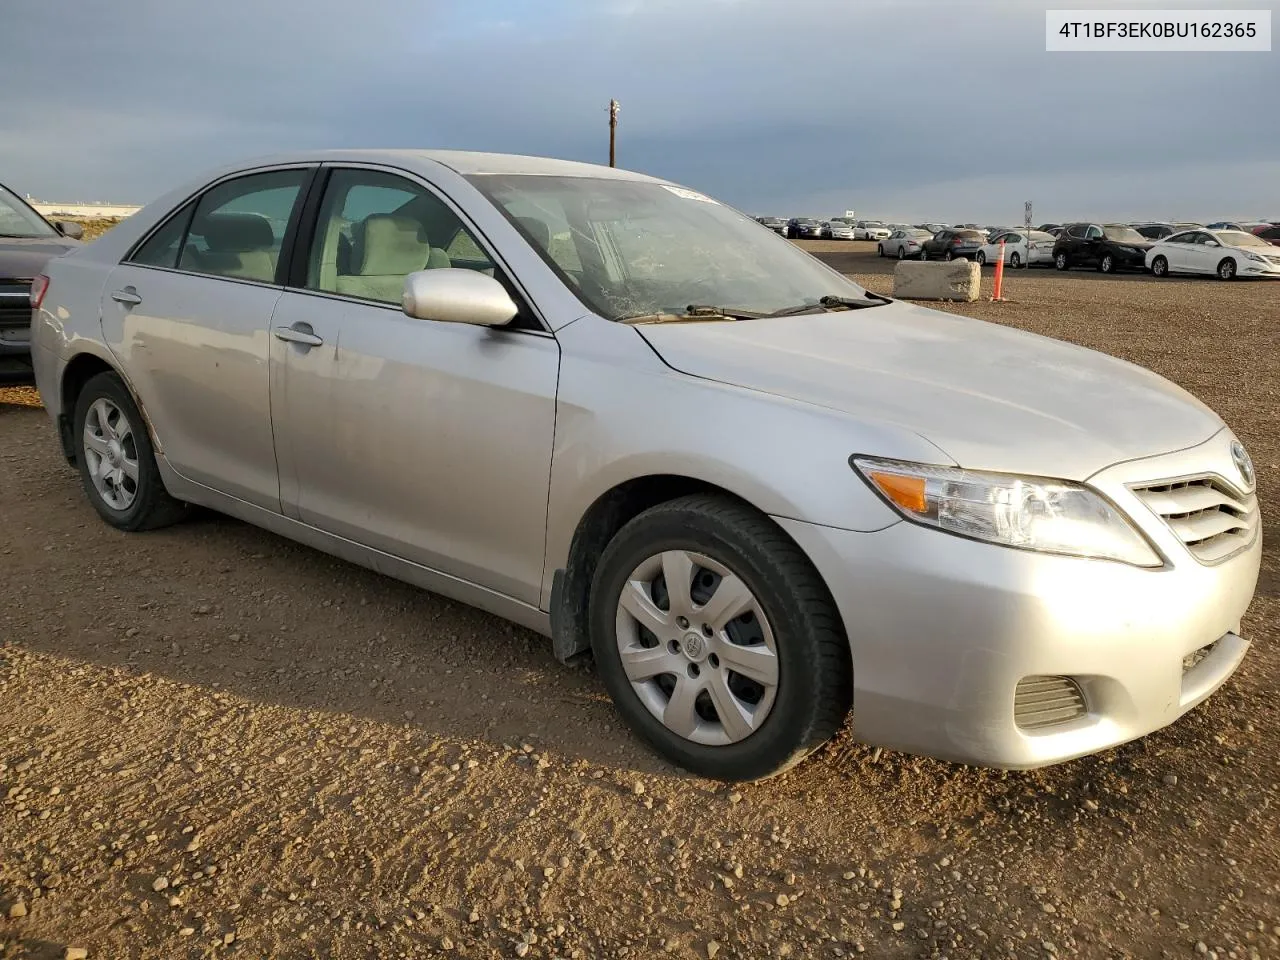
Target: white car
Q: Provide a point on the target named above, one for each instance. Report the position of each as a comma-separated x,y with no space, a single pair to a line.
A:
1226,254
905,243
1016,253
871,230
838,229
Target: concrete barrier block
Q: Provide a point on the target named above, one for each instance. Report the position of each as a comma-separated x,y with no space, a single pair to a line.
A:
956,280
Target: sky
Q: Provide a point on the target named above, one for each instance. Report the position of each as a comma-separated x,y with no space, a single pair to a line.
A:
898,109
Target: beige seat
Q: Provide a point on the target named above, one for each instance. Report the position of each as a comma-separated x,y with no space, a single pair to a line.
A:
386,248
239,245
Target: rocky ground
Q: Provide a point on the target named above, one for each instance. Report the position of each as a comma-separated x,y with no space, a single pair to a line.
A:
214,742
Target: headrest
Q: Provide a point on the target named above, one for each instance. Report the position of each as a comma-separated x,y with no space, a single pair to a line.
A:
536,229
235,232
387,244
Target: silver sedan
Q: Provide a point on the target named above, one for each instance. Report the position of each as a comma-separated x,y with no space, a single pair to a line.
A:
617,412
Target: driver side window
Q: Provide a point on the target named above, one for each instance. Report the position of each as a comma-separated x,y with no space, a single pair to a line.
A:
376,228
1093,233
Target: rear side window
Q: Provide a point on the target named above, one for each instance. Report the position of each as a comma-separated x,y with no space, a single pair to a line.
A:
238,226
161,248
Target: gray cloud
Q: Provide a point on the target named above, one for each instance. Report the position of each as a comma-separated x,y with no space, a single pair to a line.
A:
909,108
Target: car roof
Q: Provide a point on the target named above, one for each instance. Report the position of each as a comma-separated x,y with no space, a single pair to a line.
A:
464,162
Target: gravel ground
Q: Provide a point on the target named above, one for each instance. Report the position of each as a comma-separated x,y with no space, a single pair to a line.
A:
215,742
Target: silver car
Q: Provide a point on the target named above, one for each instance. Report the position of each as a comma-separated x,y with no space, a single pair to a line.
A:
613,410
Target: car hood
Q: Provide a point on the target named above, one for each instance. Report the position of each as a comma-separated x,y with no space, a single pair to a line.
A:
989,396
24,258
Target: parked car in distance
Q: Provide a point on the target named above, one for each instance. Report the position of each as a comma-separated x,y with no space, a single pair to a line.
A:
1270,233
804,228
1226,254
1107,246
953,242
1226,225
1159,230
461,370
1049,227
27,241
776,224
1017,253
905,243
933,227
838,230
870,230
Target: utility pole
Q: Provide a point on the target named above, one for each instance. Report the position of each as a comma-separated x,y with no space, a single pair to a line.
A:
613,133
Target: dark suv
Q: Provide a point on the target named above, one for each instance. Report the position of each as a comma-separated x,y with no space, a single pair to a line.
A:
953,242
27,241
1107,246
803,228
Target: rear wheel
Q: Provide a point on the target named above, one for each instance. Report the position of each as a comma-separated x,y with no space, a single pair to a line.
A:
116,460
902,252
717,640
948,256
880,249
1061,262
1227,269
1107,264
1160,267
1015,261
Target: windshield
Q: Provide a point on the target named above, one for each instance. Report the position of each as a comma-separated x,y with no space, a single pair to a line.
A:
19,220
1123,234
635,249
1238,238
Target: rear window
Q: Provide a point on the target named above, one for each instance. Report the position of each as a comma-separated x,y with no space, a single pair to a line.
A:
971,234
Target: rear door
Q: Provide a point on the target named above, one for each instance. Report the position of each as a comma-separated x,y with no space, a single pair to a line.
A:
428,441
188,314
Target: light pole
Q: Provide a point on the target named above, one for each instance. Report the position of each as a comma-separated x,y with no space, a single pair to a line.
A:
613,133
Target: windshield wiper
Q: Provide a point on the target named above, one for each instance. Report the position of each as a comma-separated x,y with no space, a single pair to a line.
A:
831,302
696,312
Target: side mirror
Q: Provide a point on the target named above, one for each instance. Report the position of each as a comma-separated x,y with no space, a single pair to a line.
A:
69,229
452,295
1211,243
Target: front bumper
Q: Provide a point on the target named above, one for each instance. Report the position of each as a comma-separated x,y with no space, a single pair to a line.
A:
1252,268
943,629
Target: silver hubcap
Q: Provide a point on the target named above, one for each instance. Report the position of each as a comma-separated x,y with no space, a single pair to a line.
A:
111,454
697,648
1225,270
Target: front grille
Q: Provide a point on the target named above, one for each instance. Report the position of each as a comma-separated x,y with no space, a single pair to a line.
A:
1212,519
15,305
1045,701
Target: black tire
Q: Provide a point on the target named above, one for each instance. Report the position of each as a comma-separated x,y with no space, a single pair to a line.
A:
1015,261
1160,267
815,673
948,256
880,249
1107,264
152,507
981,259
1226,268
1061,262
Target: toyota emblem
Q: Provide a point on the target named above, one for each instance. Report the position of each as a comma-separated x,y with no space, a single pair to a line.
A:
1241,457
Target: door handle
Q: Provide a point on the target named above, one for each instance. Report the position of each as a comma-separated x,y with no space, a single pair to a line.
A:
296,334
127,296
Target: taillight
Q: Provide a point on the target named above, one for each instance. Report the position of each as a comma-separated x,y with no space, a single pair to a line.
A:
957,241
39,287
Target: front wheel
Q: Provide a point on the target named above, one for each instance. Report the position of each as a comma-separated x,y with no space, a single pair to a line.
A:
981,258
1060,261
116,460
1160,267
1227,269
880,249
717,640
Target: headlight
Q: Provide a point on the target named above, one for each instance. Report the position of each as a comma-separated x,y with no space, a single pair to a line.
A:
1254,256
1032,513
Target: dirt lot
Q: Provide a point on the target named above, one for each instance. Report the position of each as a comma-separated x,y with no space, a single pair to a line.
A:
213,741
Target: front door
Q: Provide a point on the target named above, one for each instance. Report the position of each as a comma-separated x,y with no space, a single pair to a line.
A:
189,315
428,441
